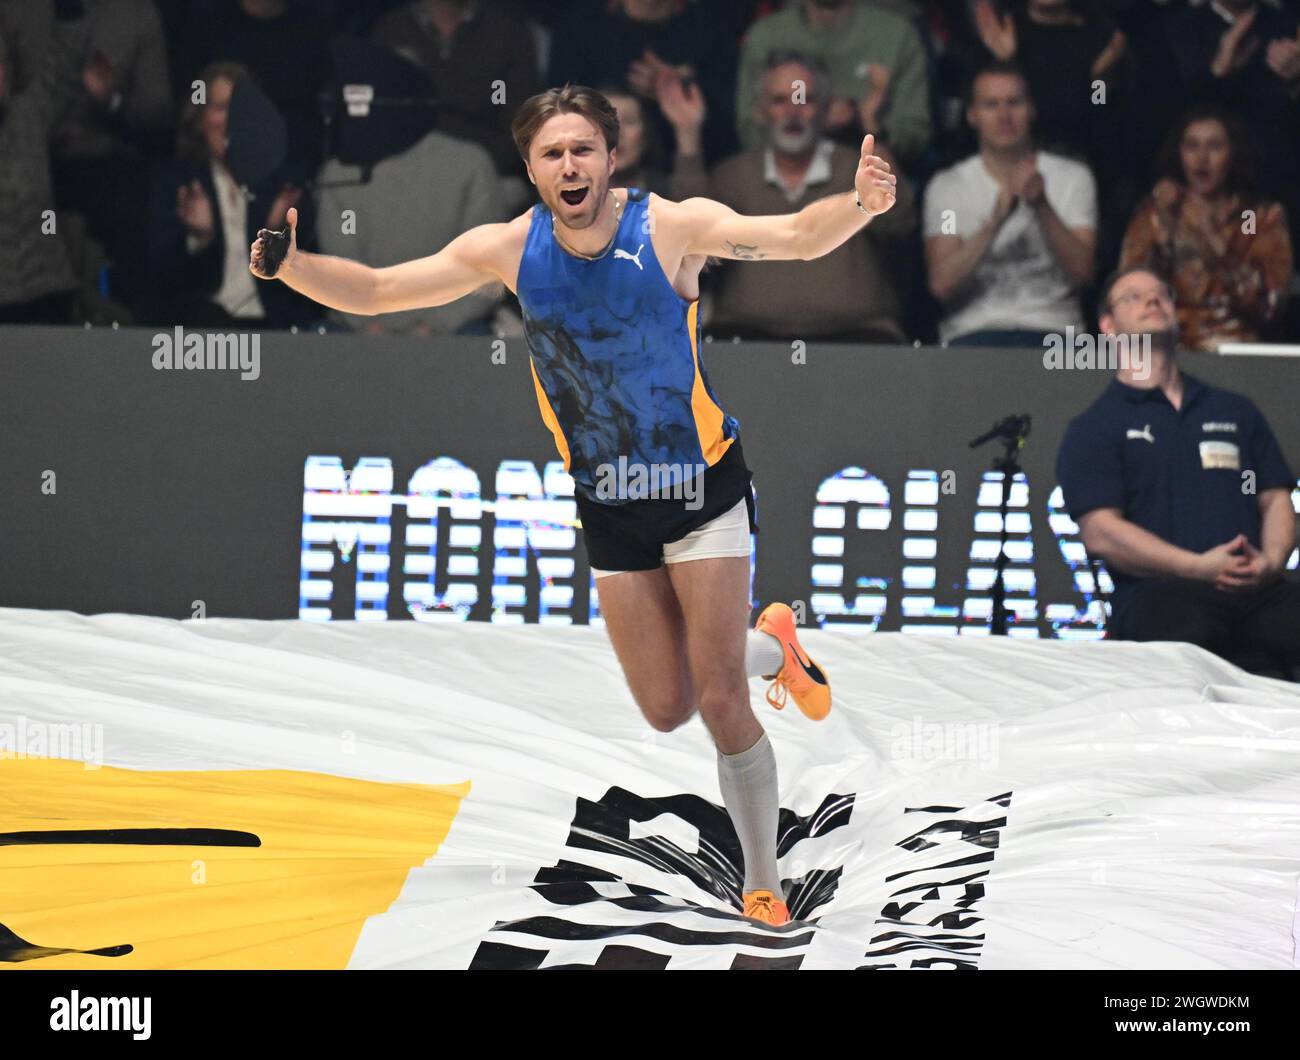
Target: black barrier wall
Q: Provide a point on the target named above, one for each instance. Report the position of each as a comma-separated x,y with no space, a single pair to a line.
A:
132,488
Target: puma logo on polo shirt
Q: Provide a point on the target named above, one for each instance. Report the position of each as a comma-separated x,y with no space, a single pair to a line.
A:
1145,432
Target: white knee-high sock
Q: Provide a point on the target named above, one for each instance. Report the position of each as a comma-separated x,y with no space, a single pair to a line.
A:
764,654
748,783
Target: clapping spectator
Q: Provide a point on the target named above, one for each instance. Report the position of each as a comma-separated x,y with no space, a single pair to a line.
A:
633,43
640,153
1010,233
203,221
1064,50
1227,253
848,295
1073,58
638,162
877,67
1245,56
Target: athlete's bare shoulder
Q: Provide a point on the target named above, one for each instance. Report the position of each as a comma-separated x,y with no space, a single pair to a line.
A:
518,226
500,247
672,223
679,212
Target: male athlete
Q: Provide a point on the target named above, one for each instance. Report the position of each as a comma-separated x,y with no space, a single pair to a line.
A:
608,279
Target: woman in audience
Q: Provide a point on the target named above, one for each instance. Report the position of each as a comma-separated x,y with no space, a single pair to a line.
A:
204,220
1227,253
640,162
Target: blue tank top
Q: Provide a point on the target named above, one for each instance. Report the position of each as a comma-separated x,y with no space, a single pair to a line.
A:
615,355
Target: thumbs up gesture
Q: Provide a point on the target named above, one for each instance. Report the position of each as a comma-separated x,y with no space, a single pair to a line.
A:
273,251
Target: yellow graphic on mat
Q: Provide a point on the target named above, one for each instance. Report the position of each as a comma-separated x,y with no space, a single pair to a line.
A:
216,869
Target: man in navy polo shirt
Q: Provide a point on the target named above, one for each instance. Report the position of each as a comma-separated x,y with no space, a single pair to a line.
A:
1181,489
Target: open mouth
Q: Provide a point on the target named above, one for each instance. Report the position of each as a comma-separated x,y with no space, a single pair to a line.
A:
574,196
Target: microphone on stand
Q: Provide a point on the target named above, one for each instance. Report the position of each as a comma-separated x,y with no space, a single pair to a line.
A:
1012,431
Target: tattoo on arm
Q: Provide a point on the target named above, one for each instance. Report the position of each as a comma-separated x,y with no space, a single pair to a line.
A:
745,251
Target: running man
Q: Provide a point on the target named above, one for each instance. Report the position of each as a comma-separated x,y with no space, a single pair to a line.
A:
608,279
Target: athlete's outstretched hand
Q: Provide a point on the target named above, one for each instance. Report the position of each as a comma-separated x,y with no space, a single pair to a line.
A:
272,251
875,179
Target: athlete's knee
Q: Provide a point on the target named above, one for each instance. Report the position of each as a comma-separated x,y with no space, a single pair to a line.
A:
668,721
668,708
721,699
669,713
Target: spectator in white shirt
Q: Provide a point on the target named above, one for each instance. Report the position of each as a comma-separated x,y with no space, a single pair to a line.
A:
1010,233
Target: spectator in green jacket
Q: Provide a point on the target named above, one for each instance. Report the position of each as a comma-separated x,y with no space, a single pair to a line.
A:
877,69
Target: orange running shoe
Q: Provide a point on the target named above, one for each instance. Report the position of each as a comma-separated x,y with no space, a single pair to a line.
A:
767,907
800,677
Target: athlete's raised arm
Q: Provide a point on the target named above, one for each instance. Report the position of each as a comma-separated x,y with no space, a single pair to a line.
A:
714,229
467,263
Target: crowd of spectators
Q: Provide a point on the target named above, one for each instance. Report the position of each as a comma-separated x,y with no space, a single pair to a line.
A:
1040,144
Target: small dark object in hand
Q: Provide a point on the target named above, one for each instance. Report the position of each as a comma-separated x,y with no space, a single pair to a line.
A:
275,245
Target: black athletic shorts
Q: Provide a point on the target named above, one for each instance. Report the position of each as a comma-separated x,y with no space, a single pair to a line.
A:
632,535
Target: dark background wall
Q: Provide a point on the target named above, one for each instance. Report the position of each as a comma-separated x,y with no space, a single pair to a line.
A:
176,486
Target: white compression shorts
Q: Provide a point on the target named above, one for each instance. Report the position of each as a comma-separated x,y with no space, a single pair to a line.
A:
727,535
